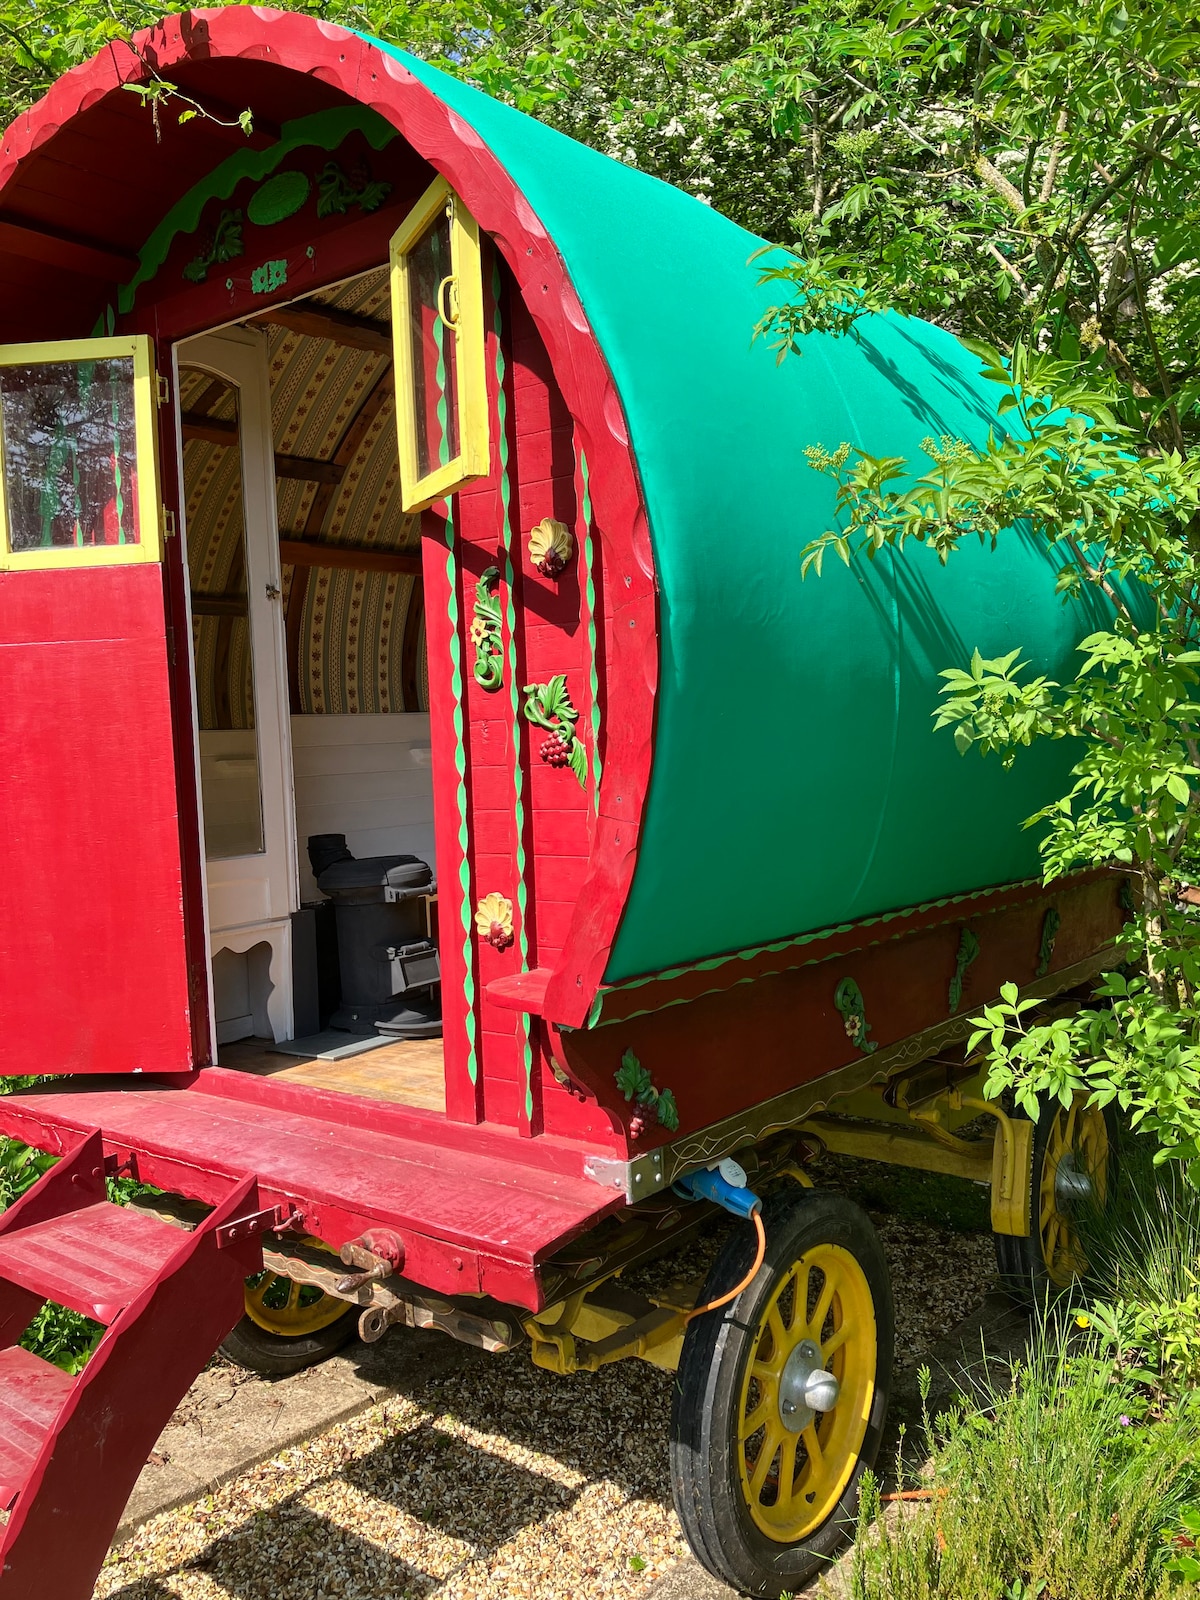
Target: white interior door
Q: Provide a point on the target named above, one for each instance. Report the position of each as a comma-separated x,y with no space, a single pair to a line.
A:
243,749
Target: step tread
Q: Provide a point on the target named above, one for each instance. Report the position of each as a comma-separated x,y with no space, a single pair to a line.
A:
32,1394
94,1260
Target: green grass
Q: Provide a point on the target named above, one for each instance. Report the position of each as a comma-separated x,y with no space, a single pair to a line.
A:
1061,1485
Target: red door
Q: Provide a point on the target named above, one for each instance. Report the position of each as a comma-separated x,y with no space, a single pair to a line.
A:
93,971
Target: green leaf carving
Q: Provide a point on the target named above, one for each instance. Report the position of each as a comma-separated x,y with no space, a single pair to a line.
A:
632,1078
485,631
968,949
849,1001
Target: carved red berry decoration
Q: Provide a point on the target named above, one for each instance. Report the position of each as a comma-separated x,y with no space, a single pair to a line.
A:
551,564
637,1127
556,750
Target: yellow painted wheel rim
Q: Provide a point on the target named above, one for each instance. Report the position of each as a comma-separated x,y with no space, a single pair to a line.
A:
1078,1133
792,1482
289,1309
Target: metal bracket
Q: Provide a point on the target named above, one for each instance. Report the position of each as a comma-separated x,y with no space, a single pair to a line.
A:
635,1179
272,1220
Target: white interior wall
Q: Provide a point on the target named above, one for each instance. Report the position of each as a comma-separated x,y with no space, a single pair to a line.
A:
367,776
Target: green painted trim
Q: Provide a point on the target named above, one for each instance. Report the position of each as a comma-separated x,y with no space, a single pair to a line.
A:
595,1017
510,617
460,767
586,558
324,129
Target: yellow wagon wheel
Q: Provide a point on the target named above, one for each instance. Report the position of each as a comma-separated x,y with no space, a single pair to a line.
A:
1071,1173
288,1326
781,1396
289,1309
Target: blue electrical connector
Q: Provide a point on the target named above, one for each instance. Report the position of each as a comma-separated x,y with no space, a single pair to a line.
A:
712,1184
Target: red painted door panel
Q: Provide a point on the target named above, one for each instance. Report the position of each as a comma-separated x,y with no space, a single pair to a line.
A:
93,975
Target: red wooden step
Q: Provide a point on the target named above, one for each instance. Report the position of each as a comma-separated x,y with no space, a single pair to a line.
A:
94,1260
32,1393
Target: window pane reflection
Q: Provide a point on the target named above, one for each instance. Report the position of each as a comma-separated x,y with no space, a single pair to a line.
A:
70,459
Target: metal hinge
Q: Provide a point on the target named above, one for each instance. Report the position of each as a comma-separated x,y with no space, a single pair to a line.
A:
273,1220
169,528
162,390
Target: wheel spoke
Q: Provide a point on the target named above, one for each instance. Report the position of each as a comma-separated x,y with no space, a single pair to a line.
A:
1069,1130
816,1456
821,1309
756,1418
787,1468
763,1462
835,1341
800,1298
294,1290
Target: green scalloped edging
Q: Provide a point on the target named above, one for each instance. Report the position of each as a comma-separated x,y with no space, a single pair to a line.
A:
324,129
510,617
595,1013
466,915
587,554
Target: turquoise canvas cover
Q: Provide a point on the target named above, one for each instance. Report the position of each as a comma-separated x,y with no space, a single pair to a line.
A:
797,781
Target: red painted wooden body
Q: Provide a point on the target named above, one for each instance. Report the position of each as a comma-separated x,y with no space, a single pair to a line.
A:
103,938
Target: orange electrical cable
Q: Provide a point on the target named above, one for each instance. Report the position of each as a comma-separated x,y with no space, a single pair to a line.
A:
698,1311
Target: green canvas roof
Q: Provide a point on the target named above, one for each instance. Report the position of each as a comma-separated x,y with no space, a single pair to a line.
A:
797,781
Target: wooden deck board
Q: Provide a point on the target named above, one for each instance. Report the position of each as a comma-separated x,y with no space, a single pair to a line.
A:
410,1072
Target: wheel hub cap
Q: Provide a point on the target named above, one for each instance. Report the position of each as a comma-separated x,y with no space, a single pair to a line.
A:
1072,1186
805,1387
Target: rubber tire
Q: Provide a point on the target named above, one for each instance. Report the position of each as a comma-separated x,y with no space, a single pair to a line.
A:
274,1355
1019,1260
704,1473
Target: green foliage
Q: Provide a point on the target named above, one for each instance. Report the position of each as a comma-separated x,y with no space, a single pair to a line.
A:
1066,163
1143,1250
1053,1482
635,1083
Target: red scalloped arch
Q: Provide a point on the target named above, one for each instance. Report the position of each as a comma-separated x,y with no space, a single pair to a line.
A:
362,71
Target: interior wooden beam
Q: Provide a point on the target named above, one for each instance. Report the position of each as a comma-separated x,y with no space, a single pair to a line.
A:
87,257
311,471
330,322
348,557
213,430
224,431
219,605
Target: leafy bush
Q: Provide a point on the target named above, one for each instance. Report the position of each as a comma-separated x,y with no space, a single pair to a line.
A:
1060,1485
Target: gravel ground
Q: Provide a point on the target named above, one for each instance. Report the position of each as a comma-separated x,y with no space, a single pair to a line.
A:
491,1480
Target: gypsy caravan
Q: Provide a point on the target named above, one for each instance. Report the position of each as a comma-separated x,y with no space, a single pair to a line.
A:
447,849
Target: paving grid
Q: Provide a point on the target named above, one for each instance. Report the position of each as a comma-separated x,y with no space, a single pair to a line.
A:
477,1476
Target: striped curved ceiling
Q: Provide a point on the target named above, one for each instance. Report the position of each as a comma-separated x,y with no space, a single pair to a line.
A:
355,639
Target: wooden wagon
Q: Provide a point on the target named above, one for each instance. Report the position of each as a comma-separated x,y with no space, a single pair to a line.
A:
403,472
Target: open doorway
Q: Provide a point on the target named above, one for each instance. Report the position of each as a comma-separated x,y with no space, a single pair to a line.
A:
311,690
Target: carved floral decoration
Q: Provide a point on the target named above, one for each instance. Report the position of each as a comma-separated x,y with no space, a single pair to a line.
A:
494,920
849,1001
548,705
485,631
551,546
636,1084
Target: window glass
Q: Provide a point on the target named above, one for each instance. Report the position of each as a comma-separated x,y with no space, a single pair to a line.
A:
221,634
434,347
70,454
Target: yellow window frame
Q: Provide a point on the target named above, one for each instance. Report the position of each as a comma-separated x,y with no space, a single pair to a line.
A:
145,413
461,292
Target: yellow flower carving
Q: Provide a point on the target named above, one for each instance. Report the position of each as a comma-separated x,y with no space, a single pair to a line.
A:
551,546
494,920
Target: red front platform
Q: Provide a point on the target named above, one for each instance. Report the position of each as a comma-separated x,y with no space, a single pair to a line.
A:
471,1222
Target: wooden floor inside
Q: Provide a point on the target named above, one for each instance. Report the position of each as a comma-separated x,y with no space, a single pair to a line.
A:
408,1072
